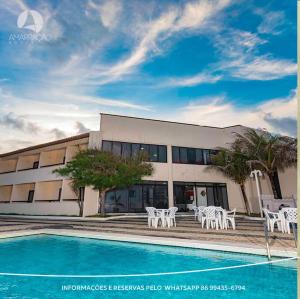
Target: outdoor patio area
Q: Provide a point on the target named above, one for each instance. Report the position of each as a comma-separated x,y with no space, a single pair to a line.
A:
248,232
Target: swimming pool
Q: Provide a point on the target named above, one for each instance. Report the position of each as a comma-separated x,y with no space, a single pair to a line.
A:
57,255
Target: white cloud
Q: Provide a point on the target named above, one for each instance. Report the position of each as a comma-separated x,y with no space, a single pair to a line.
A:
219,111
104,101
197,79
148,43
109,12
196,13
240,58
262,68
13,6
53,113
271,22
194,16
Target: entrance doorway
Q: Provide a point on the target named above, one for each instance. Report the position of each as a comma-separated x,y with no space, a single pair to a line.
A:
201,196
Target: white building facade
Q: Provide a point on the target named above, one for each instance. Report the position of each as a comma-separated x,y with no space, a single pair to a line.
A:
179,153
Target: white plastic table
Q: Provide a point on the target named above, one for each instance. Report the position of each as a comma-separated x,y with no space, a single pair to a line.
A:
162,213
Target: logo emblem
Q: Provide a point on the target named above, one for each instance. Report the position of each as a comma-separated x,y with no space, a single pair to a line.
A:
31,20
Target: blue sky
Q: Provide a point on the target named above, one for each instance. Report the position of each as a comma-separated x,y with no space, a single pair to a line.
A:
209,62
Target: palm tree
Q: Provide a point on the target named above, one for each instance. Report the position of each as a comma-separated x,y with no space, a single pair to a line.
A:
232,163
268,153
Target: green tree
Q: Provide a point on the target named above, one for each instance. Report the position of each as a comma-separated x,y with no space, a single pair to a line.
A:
104,171
232,163
268,152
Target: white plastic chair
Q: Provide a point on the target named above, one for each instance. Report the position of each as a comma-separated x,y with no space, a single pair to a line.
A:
196,211
272,219
200,213
229,218
290,215
152,217
210,217
170,217
220,214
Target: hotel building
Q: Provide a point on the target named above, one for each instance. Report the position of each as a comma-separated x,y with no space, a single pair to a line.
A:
179,153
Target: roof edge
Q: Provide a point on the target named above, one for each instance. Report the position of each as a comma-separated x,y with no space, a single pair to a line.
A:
169,121
33,147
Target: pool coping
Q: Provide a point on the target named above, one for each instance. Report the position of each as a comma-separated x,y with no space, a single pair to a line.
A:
218,246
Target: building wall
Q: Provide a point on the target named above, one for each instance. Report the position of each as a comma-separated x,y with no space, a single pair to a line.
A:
8,165
41,208
14,185
173,134
20,192
135,130
288,182
5,193
26,162
67,191
48,191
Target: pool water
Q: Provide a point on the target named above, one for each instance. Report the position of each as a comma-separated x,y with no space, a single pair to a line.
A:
48,254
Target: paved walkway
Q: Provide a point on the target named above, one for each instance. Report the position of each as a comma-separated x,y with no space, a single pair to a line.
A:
248,231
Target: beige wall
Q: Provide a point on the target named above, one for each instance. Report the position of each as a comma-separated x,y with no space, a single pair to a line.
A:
52,157
8,165
26,162
288,182
126,129
20,192
47,183
67,192
69,208
159,132
73,150
91,200
31,175
47,190
172,134
5,193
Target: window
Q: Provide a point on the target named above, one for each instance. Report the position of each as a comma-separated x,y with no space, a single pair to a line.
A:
126,150
106,146
199,156
145,149
162,153
187,194
35,165
207,158
189,155
59,193
135,147
183,155
154,153
30,195
175,154
116,148
134,198
137,197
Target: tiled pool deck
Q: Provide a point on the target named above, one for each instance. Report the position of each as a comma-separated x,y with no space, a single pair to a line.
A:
247,238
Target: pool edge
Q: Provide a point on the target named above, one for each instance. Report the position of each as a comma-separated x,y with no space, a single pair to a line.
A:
217,246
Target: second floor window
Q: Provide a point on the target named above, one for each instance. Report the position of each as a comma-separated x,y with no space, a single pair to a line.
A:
187,155
155,153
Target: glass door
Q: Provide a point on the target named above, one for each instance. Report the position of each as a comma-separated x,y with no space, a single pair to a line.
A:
201,196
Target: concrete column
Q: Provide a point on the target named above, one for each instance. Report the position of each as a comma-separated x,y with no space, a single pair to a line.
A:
95,140
170,176
19,160
12,193
91,202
